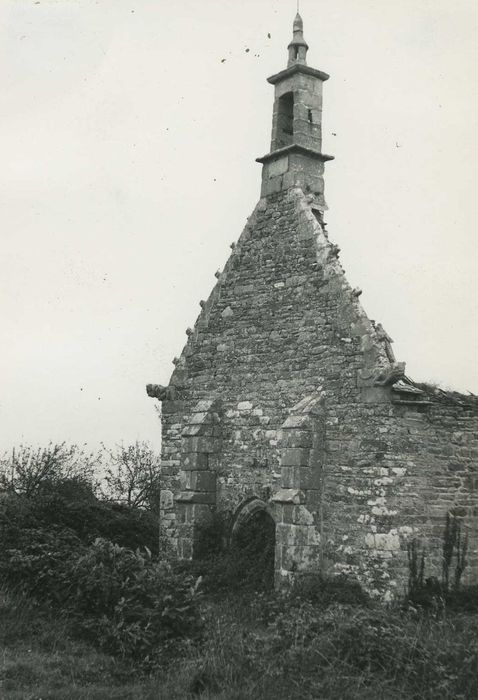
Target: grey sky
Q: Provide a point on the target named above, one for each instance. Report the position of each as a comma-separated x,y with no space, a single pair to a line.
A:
128,150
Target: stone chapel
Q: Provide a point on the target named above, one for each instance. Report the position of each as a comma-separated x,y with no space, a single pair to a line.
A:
287,399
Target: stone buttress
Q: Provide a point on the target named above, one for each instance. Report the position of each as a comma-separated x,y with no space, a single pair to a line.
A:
287,395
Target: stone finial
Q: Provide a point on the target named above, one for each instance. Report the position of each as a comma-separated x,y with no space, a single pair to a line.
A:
298,25
298,46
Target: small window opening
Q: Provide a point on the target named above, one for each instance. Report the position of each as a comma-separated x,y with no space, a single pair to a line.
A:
285,120
296,52
310,116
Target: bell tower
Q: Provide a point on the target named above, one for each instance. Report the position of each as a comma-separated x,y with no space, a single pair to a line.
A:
296,158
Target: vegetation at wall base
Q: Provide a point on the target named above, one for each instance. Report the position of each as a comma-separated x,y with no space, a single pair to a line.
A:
87,613
429,593
338,652
86,558
123,601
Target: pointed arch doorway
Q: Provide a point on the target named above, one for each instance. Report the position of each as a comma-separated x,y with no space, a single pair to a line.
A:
253,539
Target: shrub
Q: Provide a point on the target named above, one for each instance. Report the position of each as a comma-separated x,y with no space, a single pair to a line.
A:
71,504
15,515
323,590
464,600
55,486
90,518
125,602
39,565
132,605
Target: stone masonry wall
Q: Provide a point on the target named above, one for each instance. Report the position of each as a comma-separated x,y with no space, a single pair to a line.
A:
401,471
282,324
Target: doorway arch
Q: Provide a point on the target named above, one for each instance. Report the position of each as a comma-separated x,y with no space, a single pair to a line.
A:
252,541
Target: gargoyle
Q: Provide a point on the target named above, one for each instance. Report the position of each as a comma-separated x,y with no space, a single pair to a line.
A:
385,376
158,391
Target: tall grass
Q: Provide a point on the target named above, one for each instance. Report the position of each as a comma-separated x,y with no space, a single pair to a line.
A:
268,646
337,653
39,659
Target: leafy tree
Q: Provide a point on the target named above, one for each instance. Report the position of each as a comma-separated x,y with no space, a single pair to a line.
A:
27,470
54,488
134,476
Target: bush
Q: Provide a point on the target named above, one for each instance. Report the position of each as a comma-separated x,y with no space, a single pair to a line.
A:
125,602
55,487
15,515
71,504
91,518
131,605
39,565
463,600
96,562
323,591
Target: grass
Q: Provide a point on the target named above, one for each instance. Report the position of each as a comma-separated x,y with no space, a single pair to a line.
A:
261,647
341,653
39,659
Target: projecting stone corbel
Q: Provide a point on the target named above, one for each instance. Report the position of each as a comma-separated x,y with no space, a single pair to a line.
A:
160,392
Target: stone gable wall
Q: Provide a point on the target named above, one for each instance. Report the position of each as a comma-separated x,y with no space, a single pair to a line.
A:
281,324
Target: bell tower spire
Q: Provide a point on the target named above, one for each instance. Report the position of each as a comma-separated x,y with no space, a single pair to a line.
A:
298,47
296,158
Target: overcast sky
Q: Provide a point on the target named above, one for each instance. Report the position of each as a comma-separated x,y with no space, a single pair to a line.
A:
129,132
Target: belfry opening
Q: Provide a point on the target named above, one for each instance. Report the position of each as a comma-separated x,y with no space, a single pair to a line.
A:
285,119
